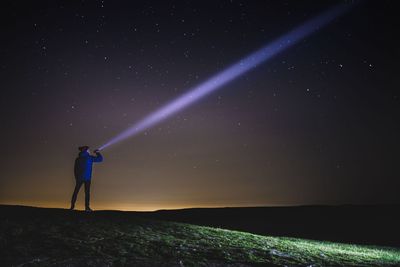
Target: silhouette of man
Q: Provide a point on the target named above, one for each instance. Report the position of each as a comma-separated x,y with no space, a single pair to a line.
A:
83,174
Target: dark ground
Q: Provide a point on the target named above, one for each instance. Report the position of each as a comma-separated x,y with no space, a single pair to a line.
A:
32,236
369,225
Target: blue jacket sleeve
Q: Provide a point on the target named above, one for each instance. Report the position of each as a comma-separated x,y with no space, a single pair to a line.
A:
97,158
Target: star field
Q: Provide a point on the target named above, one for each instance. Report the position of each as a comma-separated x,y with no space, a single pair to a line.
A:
317,124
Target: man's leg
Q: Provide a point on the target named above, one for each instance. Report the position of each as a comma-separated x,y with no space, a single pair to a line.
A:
87,196
78,185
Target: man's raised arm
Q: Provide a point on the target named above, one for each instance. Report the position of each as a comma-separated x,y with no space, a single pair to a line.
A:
98,157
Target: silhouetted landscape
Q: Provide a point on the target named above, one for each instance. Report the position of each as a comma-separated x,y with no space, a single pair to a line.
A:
145,105
267,237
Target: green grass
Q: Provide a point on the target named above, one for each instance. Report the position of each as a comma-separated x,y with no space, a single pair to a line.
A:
78,239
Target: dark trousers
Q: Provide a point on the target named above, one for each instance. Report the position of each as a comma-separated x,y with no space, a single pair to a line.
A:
76,191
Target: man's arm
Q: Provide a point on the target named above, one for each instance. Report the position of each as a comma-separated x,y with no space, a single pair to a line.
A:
98,157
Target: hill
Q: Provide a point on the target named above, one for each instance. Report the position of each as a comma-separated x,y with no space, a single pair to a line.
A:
357,224
57,237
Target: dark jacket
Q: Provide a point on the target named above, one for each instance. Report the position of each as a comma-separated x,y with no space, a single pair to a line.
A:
83,165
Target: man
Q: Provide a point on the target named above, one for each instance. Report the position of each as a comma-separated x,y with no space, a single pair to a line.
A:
83,174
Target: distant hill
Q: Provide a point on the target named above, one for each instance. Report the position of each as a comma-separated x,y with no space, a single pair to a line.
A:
57,237
360,224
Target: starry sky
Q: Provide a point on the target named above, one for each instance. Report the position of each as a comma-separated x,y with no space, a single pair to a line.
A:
317,124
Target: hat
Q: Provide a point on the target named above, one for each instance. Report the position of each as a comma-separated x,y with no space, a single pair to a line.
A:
83,148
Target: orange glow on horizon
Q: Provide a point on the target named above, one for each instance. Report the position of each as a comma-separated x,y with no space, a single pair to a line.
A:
131,207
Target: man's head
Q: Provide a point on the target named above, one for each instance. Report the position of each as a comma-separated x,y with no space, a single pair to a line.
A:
83,148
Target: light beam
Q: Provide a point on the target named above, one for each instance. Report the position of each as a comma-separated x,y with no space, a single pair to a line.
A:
244,65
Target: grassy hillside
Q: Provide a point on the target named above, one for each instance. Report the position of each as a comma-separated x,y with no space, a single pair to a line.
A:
356,224
54,237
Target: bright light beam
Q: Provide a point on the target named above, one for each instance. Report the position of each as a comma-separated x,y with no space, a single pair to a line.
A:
217,81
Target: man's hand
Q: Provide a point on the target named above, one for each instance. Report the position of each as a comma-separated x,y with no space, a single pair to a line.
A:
97,151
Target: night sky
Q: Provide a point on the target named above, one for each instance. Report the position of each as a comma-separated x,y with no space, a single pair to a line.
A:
317,124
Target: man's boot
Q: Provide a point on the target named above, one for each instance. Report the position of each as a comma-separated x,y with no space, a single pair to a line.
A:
88,209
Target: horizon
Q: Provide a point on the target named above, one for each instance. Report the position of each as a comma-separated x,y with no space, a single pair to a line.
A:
177,208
